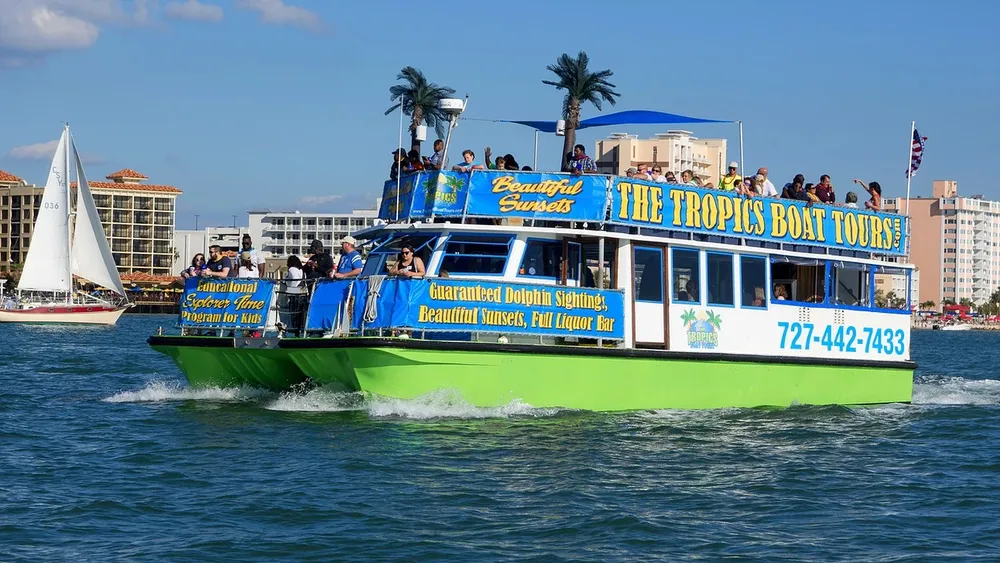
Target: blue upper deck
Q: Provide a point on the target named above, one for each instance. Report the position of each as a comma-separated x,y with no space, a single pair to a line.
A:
616,200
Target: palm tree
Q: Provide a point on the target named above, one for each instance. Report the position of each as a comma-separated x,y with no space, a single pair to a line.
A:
419,99
581,85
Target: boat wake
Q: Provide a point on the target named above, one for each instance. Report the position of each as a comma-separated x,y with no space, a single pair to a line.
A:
439,405
160,391
945,390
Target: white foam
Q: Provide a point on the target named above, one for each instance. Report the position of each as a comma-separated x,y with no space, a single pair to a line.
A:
942,390
436,405
158,391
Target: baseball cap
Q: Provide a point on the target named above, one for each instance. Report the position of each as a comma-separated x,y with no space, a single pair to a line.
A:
632,170
316,243
733,164
349,240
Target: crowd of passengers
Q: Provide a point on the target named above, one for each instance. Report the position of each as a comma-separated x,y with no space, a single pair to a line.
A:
577,162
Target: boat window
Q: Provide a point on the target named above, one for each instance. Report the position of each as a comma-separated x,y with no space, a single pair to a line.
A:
849,284
753,280
720,279
686,275
476,254
648,274
541,259
385,255
894,288
798,280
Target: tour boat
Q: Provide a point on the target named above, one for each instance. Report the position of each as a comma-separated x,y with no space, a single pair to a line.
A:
584,292
60,249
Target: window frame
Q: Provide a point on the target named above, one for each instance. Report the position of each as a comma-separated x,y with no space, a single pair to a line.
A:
443,249
635,280
767,282
524,255
701,293
732,277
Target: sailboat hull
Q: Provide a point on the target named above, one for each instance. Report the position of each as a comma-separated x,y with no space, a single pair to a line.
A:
63,314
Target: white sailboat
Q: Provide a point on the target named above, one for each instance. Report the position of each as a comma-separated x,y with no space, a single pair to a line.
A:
45,292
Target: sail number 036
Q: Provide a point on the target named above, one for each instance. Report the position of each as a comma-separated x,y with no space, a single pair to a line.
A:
851,339
50,205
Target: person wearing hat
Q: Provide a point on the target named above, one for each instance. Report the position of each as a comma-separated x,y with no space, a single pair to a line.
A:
320,264
631,172
399,162
731,179
350,264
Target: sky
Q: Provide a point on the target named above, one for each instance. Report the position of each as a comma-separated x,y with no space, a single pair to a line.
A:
279,104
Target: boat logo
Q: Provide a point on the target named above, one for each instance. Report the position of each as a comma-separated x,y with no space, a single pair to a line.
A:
702,329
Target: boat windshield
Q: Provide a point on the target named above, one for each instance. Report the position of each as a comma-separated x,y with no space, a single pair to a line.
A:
386,254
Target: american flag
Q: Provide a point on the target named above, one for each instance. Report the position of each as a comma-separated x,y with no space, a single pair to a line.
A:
916,153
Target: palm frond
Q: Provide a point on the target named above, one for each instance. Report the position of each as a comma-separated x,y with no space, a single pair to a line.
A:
415,91
579,83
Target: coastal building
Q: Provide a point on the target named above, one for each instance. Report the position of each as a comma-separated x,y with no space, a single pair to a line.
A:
276,235
138,220
280,234
674,150
19,202
954,243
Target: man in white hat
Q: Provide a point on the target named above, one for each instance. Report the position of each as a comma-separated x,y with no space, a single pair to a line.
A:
350,264
731,179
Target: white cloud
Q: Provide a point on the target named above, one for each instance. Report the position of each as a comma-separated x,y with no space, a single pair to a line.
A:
44,151
310,199
32,26
193,10
278,13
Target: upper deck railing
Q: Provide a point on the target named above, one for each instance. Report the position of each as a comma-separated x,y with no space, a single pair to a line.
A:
617,200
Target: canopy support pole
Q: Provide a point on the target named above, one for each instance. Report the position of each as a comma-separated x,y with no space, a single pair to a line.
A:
399,172
534,163
743,171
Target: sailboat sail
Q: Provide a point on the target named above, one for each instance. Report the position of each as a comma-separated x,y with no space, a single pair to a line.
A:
47,266
92,258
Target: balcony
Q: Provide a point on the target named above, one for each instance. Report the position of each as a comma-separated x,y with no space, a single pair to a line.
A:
162,248
144,203
120,247
163,233
141,262
122,202
143,232
143,217
122,217
121,231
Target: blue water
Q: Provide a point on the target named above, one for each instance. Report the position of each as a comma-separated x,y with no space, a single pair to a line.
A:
106,456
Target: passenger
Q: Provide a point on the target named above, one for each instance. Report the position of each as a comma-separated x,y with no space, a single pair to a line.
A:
875,203
731,179
469,163
690,292
247,269
780,293
824,191
768,190
218,265
247,252
852,200
294,275
658,174
581,163
408,264
320,264
511,163
197,265
758,297
351,263
811,195
399,162
435,161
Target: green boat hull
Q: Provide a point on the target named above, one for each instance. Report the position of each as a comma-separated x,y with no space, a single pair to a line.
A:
544,376
216,362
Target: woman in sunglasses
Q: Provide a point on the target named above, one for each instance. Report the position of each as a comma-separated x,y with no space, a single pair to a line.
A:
407,264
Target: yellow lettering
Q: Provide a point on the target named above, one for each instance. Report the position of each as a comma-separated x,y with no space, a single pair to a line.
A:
794,222
656,205
726,212
819,214
677,198
624,190
851,229
693,218
709,211
838,225
779,226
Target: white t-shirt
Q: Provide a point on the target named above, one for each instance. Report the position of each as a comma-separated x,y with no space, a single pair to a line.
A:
255,258
248,272
293,280
768,189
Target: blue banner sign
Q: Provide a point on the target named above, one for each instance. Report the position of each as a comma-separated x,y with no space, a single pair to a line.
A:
421,193
443,304
226,302
537,196
715,212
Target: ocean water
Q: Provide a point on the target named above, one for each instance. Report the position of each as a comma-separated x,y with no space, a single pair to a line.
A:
105,455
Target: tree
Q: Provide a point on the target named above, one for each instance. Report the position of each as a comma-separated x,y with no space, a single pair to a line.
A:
580,85
881,300
966,302
928,305
419,99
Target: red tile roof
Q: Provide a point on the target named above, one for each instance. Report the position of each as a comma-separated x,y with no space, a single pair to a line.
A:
126,173
135,187
8,177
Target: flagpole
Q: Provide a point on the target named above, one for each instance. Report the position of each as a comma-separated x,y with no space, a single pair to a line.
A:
909,165
399,173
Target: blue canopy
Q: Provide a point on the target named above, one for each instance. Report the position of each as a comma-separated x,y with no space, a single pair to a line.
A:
628,117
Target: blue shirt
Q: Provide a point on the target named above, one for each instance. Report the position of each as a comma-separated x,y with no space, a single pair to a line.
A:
350,262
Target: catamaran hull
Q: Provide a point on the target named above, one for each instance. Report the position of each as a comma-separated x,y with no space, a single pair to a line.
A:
75,314
543,376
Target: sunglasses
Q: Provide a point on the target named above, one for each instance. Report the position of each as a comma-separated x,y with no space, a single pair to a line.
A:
405,252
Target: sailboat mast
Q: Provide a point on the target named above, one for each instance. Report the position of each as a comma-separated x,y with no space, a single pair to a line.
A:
69,216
